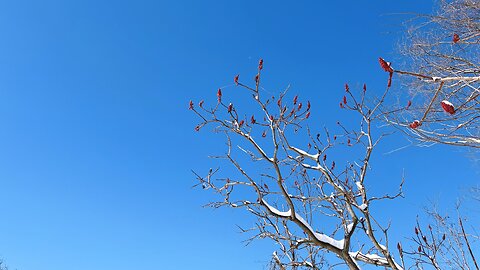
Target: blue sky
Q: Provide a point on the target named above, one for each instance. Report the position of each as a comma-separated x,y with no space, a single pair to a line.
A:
96,142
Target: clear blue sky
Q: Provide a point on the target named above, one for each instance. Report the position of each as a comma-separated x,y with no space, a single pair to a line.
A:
96,142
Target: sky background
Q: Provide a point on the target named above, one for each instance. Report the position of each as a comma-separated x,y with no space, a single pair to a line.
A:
97,143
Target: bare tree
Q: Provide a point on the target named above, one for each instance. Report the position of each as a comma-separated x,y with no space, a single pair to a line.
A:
442,104
314,208
445,243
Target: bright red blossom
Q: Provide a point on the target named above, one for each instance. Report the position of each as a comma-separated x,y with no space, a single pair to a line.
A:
344,100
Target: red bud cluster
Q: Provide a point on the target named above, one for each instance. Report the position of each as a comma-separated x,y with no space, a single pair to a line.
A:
385,65
219,95
415,124
456,38
448,107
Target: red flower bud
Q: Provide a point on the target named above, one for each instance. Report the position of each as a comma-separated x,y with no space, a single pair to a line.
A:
190,105
308,105
200,104
235,79
295,100
348,142
399,247
279,102
324,157
419,249
309,145
334,137
448,107
307,115
260,64
333,165
344,100
256,78
271,117
197,128
443,237
409,104
296,183
416,230
299,106
219,95
347,88
341,105
415,124
230,107
241,123
264,134
364,88
252,120
456,38
265,186
385,65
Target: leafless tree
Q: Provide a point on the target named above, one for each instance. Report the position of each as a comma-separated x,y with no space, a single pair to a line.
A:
314,208
440,102
445,243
